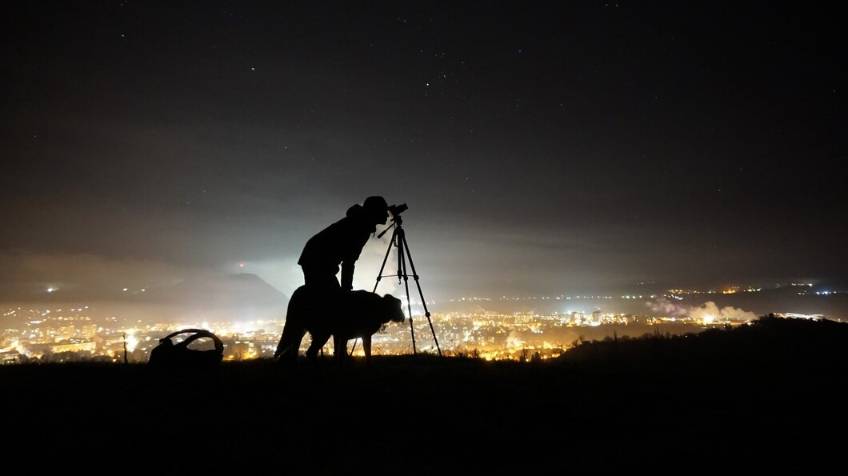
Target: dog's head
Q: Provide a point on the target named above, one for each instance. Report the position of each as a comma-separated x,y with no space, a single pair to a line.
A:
392,309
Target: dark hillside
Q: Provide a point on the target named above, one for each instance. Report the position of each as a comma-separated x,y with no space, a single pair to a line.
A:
768,394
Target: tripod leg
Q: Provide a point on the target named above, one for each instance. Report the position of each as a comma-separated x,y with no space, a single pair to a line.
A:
420,293
379,276
402,272
385,258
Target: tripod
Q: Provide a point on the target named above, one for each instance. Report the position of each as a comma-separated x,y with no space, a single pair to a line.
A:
403,255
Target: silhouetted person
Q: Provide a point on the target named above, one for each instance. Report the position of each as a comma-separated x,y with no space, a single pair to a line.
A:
340,244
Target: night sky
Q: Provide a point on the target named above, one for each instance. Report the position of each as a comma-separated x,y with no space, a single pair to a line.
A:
540,150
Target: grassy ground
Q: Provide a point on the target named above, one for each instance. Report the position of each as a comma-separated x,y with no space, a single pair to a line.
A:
764,398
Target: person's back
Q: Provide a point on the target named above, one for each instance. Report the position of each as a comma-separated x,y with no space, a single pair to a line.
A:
343,240
341,243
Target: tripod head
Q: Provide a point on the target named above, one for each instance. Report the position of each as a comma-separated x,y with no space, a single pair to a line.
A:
397,220
396,210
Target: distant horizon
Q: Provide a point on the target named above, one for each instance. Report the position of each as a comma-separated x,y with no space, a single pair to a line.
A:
228,300
53,290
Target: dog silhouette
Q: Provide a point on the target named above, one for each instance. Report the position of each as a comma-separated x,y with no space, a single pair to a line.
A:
347,316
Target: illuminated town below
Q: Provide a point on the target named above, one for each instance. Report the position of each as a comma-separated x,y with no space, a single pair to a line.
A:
46,335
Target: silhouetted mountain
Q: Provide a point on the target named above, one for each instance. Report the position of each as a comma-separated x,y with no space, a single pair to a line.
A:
218,291
208,297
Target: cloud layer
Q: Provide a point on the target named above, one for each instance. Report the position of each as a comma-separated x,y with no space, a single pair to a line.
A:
707,312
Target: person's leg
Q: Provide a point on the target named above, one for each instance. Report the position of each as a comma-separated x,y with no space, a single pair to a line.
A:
324,292
324,279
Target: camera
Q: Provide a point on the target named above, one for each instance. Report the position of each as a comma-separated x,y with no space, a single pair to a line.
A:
396,210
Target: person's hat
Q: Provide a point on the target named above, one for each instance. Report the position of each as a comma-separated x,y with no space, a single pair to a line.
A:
376,204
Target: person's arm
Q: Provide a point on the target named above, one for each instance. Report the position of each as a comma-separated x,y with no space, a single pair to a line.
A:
356,245
347,274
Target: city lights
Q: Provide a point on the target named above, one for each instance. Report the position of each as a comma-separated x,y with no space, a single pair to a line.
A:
61,335
75,332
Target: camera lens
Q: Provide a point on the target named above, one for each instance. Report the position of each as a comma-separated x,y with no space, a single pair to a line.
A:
397,209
